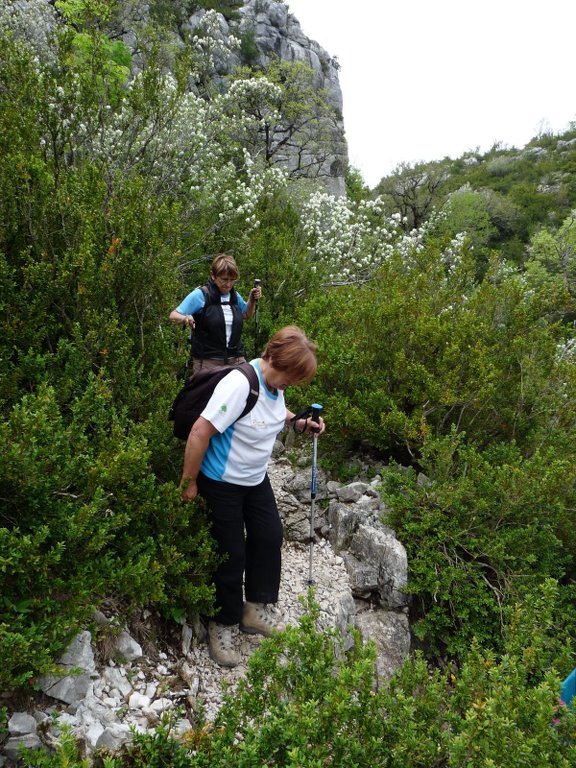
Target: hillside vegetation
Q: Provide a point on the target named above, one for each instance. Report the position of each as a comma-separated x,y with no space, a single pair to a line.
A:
444,306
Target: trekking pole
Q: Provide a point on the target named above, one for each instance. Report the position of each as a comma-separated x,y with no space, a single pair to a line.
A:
256,285
315,408
189,360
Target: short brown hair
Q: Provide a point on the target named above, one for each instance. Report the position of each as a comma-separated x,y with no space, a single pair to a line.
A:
223,264
290,351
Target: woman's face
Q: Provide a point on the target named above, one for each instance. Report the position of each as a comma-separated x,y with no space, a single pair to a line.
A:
276,379
224,282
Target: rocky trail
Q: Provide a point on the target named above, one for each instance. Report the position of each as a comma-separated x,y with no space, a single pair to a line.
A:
131,685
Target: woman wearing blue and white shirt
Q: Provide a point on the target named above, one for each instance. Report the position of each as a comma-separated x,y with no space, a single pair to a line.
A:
226,461
216,312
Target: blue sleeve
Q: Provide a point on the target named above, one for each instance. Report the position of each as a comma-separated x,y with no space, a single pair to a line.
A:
192,303
241,303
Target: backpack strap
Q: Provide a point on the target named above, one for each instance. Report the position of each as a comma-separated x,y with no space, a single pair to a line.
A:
250,372
207,301
209,297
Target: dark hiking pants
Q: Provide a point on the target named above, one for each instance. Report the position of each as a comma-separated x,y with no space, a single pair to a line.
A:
247,527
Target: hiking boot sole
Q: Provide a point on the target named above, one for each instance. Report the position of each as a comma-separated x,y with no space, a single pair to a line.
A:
254,631
229,663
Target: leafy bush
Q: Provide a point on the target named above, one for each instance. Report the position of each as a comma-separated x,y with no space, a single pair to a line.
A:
82,512
301,705
425,347
489,527
67,755
249,50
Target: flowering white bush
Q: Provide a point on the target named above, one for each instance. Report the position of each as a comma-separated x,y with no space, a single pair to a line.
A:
174,145
251,105
352,241
348,238
183,145
189,150
567,351
243,193
208,44
31,21
202,148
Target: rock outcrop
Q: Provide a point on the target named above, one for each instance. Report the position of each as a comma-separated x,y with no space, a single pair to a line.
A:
374,559
277,35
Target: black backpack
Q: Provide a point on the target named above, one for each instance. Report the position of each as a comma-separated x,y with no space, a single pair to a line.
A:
192,398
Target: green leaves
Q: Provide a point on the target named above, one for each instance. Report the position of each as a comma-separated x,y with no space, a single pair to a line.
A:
486,529
83,515
305,703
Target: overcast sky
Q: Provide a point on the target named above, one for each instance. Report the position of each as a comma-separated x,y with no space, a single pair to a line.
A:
426,79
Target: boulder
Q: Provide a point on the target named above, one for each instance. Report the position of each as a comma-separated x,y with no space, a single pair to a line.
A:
78,661
390,632
377,547
21,724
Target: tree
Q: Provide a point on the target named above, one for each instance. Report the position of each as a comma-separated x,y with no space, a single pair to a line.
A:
293,123
556,253
356,187
414,191
468,212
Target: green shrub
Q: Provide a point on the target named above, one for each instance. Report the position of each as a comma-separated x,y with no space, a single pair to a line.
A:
488,526
303,706
249,50
84,517
424,347
67,755
228,8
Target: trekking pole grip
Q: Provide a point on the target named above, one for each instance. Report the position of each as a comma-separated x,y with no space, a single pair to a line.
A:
316,408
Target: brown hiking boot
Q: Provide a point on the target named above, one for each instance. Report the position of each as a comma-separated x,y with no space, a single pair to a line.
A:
220,645
261,619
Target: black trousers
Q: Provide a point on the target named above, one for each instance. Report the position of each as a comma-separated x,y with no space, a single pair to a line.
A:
247,527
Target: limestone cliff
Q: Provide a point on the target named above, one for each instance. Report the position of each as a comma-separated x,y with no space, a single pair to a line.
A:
276,33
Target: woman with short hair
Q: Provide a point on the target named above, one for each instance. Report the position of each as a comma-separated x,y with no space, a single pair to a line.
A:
225,461
216,313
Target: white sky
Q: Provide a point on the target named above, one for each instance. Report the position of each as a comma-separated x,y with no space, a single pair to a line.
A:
425,79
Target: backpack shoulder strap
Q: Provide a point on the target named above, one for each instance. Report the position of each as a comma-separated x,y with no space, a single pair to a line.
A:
250,372
207,297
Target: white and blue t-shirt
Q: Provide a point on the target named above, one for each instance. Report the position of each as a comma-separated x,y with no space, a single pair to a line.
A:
195,301
240,451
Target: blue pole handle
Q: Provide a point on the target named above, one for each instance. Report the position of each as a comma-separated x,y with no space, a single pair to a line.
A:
316,408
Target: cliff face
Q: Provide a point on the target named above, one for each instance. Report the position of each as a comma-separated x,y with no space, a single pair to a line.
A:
277,34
